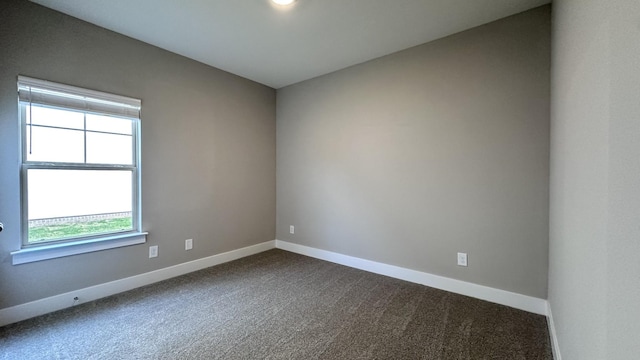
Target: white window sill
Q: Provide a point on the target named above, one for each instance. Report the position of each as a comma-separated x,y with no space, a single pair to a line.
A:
53,251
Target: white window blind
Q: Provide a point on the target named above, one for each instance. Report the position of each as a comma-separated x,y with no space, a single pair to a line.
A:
70,97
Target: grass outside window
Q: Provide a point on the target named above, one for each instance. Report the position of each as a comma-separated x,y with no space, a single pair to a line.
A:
78,229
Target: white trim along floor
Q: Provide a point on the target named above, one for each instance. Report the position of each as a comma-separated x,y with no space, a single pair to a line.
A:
57,302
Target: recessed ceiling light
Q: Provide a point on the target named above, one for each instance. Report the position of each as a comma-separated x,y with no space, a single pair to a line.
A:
283,2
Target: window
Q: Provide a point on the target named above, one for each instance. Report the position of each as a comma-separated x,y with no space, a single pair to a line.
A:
80,172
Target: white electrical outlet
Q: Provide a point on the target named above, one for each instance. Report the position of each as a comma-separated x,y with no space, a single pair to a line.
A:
292,229
462,259
153,251
188,244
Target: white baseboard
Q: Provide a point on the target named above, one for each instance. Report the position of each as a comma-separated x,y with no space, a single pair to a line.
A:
511,299
58,302
555,346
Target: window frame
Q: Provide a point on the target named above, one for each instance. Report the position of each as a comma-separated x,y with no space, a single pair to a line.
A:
87,243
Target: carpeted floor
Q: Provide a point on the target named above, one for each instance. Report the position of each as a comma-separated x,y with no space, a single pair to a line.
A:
279,305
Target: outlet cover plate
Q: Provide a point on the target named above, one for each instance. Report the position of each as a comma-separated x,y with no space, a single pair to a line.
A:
462,259
153,251
188,244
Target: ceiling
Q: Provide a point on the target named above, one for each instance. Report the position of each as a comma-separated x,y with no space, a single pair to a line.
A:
278,47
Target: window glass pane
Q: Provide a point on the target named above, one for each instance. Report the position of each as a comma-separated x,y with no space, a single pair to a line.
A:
40,115
109,124
89,197
109,149
71,203
56,145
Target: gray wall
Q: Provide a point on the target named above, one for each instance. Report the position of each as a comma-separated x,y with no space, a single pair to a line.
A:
208,149
410,158
594,272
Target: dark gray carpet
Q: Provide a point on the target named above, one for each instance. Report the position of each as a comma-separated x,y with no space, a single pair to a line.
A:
279,305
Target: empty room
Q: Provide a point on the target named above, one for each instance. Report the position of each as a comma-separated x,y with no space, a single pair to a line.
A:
320,179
